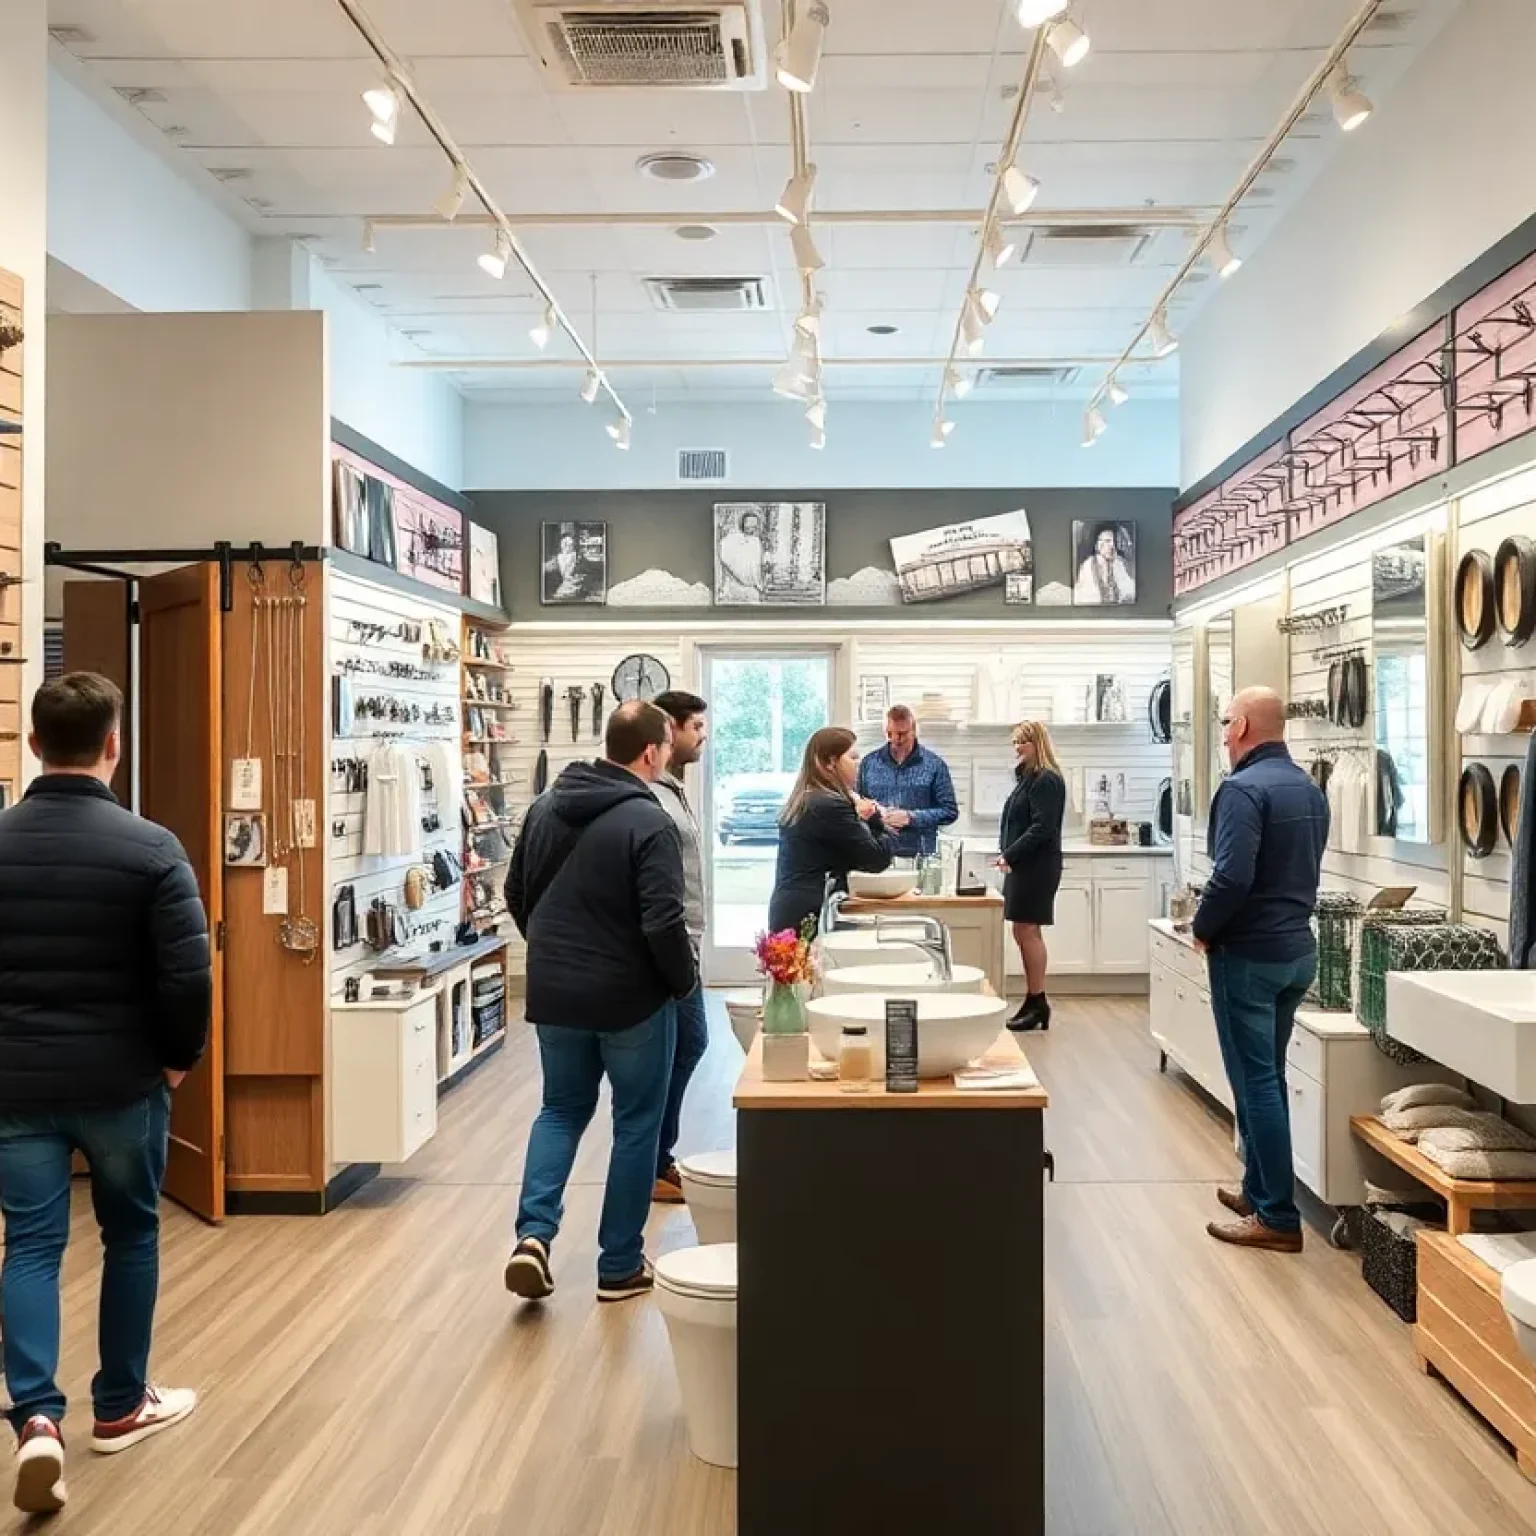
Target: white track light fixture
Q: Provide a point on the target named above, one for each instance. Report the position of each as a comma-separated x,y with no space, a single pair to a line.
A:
1035,13
1068,42
618,430
1163,340
808,321
987,303
1223,258
448,205
540,332
794,202
1019,191
494,261
370,244
799,55
1001,246
816,414
957,383
807,257
1094,426
383,103
942,427
1116,391
792,381
972,329
1351,106
818,438
589,385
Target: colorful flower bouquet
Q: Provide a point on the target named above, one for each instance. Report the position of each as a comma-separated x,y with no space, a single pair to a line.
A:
786,959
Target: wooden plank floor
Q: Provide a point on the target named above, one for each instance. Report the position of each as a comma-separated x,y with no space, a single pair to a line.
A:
364,1374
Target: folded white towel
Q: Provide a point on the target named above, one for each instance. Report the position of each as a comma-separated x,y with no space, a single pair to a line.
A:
1427,1093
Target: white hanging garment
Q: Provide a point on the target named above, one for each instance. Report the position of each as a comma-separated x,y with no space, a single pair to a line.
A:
392,819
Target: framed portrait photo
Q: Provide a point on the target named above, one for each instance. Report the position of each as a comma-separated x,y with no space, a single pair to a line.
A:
573,563
1103,563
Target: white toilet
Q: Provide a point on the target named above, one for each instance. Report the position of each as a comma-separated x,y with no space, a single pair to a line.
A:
745,1010
1517,1288
696,1294
709,1187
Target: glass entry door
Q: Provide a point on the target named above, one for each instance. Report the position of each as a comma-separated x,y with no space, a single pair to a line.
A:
763,707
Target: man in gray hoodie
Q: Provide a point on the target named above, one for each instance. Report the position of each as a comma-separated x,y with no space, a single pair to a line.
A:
690,731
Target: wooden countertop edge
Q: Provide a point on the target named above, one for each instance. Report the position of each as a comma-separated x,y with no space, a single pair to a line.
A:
912,899
932,1093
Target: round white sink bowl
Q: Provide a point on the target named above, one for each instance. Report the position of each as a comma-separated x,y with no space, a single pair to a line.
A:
845,947
901,980
884,886
953,1028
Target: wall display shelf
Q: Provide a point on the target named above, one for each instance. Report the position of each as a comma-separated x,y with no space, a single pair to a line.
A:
489,818
11,589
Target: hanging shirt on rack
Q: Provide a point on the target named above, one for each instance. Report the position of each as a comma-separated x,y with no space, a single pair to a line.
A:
1348,804
392,819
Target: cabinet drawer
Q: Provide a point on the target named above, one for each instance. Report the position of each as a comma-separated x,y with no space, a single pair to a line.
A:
1308,1130
418,1041
1119,869
1305,1054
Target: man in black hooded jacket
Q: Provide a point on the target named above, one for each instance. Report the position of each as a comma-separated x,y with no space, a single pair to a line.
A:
596,888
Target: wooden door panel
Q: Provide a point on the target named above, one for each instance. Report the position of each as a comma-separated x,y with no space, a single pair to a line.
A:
96,639
180,756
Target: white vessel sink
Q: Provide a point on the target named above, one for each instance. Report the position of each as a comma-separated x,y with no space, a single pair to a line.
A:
845,947
885,886
953,1028
901,980
1481,1024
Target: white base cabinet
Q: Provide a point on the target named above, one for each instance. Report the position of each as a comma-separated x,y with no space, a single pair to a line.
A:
384,1055
1333,1068
1102,910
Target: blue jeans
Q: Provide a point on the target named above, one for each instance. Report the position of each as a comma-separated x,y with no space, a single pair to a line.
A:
1255,1003
126,1150
692,1042
638,1065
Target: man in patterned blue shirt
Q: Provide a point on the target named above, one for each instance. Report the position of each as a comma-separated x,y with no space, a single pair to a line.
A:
911,784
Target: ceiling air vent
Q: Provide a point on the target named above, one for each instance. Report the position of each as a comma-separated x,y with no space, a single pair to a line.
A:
668,45
1086,245
707,295
1026,373
703,466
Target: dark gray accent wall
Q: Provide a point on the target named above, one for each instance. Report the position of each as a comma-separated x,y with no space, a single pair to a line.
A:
673,531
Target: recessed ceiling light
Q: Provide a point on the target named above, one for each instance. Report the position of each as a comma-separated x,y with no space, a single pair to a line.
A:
881,330
673,165
695,231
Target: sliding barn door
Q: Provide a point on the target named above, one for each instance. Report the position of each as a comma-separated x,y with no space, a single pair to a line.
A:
180,772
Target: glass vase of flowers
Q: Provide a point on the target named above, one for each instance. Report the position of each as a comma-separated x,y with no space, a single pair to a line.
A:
786,962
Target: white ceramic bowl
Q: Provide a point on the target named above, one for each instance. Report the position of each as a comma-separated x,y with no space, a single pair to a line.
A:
953,1028
885,886
845,947
901,980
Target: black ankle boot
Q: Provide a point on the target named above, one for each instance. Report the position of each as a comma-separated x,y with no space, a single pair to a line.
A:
1035,1014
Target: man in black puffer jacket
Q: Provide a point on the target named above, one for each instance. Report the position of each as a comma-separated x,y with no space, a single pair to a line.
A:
596,888
106,990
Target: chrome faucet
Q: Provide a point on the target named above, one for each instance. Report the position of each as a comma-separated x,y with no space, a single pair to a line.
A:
935,942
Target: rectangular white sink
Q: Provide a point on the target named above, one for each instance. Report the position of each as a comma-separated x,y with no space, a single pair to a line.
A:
1479,1023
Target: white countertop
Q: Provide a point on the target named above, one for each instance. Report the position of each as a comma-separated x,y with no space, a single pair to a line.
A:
1072,850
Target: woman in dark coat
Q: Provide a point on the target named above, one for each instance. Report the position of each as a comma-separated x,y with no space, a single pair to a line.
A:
1031,855
826,829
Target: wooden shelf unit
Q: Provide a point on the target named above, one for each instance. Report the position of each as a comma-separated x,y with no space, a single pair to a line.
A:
477,633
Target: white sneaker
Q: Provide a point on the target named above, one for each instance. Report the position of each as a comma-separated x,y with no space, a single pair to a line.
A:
161,1408
40,1467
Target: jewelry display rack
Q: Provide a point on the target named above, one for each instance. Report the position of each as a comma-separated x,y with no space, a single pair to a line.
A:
11,654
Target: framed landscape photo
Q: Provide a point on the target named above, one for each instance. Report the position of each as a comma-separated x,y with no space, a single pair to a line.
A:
964,557
573,563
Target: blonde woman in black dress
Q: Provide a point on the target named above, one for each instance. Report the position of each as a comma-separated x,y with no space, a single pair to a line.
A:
1031,855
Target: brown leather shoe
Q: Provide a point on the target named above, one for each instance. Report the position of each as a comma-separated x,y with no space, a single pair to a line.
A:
1235,1201
669,1187
1250,1232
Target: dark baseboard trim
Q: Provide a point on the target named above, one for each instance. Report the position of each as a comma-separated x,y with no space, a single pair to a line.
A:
283,1202
455,1078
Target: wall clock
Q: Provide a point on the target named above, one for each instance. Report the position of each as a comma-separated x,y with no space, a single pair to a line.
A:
640,677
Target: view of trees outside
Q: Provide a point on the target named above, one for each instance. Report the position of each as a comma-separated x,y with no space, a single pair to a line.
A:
762,712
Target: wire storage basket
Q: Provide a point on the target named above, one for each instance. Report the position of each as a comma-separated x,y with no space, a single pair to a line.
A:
1335,918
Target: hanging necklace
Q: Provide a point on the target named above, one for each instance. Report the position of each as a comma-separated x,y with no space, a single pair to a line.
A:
299,933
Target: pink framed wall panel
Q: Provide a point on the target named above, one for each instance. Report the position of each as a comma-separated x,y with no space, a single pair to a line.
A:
1494,357
1388,432
429,536
1242,520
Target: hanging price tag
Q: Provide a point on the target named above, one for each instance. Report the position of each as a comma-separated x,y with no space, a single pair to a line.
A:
245,784
274,891
304,823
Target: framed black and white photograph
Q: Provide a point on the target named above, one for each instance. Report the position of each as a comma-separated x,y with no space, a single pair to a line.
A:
1104,558
575,563
770,554
963,557
245,839
1018,589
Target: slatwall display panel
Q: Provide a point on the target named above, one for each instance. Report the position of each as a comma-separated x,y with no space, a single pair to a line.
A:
1377,861
947,664
1487,517
358,602
569,658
